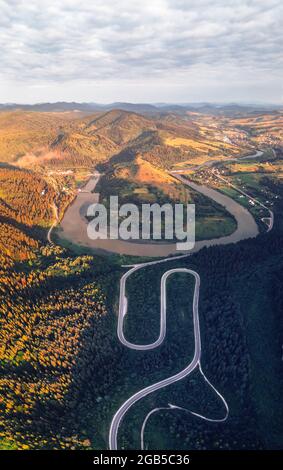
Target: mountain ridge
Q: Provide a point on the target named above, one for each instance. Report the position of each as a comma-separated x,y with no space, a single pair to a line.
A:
178,108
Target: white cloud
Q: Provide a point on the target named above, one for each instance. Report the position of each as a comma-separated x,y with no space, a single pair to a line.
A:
51,43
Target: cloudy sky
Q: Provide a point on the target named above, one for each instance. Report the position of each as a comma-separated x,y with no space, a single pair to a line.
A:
141,50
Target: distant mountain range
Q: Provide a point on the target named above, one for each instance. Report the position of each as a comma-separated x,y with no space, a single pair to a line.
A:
143,108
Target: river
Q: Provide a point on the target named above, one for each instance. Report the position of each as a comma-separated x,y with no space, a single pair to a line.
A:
73,227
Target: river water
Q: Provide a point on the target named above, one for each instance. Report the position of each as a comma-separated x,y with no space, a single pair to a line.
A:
73,227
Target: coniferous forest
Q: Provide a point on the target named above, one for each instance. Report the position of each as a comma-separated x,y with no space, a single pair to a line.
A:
63,372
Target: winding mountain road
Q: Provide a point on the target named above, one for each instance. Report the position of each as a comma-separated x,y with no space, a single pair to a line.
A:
55,222
73,229
198,415
195,362
252,231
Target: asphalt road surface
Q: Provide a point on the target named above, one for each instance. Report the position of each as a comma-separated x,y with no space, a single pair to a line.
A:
120,413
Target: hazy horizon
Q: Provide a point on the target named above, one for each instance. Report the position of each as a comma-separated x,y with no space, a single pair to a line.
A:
144,102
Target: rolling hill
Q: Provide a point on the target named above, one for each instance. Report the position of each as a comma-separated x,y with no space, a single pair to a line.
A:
33,139
61,368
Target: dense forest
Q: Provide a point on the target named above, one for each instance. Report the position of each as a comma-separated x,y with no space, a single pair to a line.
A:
241,330
51,312
63,373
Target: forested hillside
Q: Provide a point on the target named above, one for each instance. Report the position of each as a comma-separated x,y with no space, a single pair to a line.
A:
241,331
28,205
63,373
82,139
52,319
